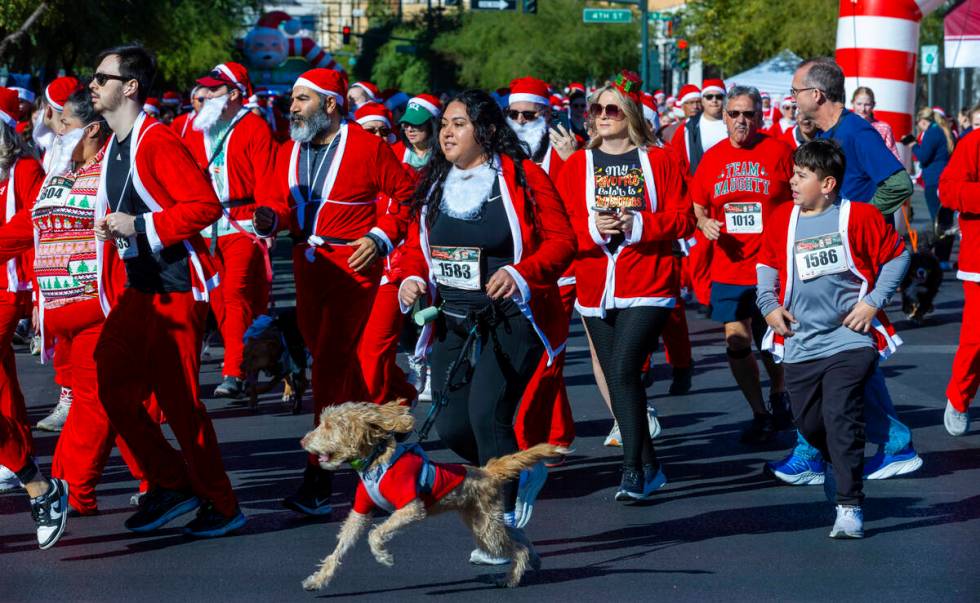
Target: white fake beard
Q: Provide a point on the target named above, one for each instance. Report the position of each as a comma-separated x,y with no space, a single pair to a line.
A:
530,133
210,113
306,129
43,135
62,150
465,191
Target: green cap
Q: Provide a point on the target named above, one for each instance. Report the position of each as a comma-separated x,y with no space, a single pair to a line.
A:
416,115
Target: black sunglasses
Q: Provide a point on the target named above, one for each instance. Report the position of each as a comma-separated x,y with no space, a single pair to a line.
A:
101,78
746,114
382,131
712,97
527,115
611,111
200,99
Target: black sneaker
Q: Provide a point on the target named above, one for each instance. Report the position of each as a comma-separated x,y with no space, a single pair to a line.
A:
313,496
160,506
209,523
759,430
631,486
681,383
230,387
50,513
782,415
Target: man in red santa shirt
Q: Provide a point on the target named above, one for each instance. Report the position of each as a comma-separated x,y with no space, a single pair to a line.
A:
529,116
330,179
152,204
182,123
234,148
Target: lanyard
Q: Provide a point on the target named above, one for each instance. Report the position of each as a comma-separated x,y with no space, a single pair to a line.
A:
311,176
129,178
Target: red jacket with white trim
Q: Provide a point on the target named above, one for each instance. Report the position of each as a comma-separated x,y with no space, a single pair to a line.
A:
250,155
180,198
18,192
642,271
959,190
869,244
543,247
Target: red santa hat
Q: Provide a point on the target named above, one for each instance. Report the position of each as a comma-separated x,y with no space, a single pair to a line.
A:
23,94
234,75
325,81
557,101
713,85
374,94
649,104
765,95
58,91
9,107
171,98
788,101
152,106
372,111
688,93
528,90
576,88
421,109
939,110
659,95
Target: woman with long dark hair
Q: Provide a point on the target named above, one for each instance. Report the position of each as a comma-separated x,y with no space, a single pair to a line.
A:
490,240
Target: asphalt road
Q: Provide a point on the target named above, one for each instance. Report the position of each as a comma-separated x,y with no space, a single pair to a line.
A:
720,529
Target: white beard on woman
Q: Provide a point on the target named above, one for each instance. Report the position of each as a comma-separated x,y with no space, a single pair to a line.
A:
465,191
531,133
210,113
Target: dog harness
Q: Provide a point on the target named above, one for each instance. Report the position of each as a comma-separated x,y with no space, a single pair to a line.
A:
408,474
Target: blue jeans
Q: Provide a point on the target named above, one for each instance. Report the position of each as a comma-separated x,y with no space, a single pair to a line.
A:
881,422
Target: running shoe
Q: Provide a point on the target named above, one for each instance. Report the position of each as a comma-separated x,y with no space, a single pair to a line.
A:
798,471
160,506
782,415
209,523
8,480
480,557
56,420
957,423
313,496
759,431
883,466
615,438
849,523
531,482
640,485
653,424
50,513
230,387
681,383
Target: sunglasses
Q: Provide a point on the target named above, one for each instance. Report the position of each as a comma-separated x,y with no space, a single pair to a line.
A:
712,97
382,131
102,78
745,114
200,99
527,115
610,111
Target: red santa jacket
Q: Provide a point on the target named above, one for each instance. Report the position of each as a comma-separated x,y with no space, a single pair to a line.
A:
18,192
248,164
959,190
642,271
869,243
183,123
363,167
181,203
543,247
789,136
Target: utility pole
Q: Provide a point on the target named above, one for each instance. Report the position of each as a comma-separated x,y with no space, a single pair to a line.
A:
645,43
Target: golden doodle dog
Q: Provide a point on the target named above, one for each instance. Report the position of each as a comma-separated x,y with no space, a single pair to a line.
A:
399,478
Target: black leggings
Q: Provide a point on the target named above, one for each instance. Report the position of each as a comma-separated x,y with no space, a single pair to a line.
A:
623,340
478,421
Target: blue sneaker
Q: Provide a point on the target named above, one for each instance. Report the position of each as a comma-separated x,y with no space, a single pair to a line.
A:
637,485
532,480
883,466
798,471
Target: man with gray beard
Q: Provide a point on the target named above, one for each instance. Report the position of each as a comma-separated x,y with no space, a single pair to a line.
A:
329,181
528,115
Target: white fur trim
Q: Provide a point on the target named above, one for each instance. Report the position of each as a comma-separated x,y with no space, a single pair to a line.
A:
8,119
688,97
309,84
523,290
367,118
151,233
712,89
434,110
367,90
523,97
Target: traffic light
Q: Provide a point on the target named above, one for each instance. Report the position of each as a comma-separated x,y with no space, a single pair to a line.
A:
682,44
530,7
345,32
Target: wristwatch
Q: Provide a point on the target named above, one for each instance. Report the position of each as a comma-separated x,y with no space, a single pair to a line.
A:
139,225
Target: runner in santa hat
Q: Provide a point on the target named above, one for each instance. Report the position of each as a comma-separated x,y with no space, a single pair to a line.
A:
529,117
804,130
767,110
362,92
686,105
153,201
659,98
152,106
21,177
329,180
375,119
234,147
627,203
785,117
959,190
419,125
182,123
26,98
47,125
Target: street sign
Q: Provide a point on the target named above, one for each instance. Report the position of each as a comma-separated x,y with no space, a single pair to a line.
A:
607,15
930,60
654,17
494,5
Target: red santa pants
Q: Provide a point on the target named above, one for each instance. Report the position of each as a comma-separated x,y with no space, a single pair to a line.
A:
62,358
151,343
16,444
677,340
86,440
545,414
333,304
383,379
963,384
243,294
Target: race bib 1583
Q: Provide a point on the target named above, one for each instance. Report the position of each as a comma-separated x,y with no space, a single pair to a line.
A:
457,267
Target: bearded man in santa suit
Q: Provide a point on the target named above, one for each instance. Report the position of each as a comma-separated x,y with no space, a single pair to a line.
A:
329,180
234,147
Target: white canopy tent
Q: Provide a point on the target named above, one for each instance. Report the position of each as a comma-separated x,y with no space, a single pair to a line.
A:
774,75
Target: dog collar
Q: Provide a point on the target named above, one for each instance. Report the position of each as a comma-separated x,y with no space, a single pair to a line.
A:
362,465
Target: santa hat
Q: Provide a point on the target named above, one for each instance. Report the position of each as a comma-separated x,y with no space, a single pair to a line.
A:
9,107
230,74
23,94
253,102
528,90
152,106
272,20
59,90
649,105
325,81
171,98
670,101
576,88
765,95
372,111
659,96
688,93
374,95
421,109
788,101
557,101
939,110
713,85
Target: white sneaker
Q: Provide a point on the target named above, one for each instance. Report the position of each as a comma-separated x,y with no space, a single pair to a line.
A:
417,375
531,482
480,557
50,512
8,480
56,420
957,423
849,522
426,394
615,438
652,422
36,345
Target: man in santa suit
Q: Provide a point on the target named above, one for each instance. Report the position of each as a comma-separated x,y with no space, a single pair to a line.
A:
360,93
786,117
234,148
330,179
529,116
182,123
152,204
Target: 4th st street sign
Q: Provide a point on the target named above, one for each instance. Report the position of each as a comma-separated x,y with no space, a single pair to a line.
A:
607,15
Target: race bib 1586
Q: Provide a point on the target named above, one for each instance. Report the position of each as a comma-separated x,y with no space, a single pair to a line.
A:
820,255
743,218
457,267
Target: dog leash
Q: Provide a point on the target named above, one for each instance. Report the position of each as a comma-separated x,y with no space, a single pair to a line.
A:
913,234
